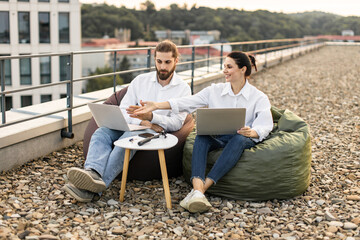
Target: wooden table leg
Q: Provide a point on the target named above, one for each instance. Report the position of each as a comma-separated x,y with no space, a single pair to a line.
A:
165,178
124,174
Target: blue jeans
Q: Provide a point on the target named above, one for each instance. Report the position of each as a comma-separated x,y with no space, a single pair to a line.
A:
103,157
233,145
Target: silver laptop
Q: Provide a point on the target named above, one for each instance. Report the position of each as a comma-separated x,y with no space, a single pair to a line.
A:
110,116
218,121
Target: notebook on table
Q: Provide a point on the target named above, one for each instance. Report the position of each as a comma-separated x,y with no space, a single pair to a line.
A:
218,121
111,116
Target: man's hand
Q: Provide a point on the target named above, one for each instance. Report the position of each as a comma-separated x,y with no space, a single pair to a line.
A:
142,116
146,123
248,132
154,127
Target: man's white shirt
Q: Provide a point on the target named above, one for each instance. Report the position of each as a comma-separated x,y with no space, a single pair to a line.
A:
220,95
146,87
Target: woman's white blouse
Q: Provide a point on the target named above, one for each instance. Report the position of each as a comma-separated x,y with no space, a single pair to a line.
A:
220,95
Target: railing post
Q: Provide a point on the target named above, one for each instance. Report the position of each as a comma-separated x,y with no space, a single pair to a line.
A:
114,70
192,69
221,55
148,64
265,64
208,61
2,79
69,102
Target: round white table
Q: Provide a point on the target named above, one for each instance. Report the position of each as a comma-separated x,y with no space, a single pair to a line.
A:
159,144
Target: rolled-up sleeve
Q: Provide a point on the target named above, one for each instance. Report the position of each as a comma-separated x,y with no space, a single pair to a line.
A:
263,123
171,120
190,103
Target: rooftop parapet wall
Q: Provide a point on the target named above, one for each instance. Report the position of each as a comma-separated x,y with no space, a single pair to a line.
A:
23,142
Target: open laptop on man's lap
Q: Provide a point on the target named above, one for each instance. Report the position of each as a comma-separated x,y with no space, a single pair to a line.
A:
219,121
111,116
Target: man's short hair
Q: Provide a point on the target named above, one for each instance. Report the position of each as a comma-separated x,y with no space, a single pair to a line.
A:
167,46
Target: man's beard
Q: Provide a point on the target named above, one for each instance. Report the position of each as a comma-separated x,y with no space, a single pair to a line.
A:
163,74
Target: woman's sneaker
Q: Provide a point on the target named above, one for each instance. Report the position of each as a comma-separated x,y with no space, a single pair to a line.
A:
86,179
198,203
185,201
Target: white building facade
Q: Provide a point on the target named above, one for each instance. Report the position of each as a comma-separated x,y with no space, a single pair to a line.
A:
39,27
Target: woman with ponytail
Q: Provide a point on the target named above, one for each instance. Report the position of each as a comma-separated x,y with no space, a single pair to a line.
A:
236,92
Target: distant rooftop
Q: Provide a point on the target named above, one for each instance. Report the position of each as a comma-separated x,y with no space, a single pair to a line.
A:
103,42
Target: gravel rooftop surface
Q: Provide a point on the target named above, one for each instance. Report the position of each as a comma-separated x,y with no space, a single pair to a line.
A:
323,87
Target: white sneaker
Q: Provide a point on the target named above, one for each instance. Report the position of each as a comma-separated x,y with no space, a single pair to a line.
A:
185,201
198,203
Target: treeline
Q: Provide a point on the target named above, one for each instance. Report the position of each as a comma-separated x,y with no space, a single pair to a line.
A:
234,25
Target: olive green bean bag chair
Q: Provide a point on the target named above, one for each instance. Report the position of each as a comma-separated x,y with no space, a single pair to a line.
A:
278,167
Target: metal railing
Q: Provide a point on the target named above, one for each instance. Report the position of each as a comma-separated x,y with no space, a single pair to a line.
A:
209,54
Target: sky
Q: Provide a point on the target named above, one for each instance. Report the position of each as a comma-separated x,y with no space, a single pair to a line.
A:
340,7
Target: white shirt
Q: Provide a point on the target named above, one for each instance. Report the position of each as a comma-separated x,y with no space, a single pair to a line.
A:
147,88
220,95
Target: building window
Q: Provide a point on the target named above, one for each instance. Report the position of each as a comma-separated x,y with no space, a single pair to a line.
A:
45,70
25,71
4,27
64,36
23,0
64,68
65,1
43,0
45,98
44,27
24,27
7,71
8,103
26,101
63,95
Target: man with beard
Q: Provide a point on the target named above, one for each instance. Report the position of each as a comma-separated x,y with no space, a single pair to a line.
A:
103,162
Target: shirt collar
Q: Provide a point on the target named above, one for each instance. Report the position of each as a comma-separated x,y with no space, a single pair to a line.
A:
245,91
175,80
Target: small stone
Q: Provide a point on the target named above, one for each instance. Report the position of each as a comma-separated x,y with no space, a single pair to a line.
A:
276,235
178,231
336,224
23,234
257,205
350,225
112,202
118,230
353,197
32,237
48,237
101,204
329,216
320,202
264,210
332,229
350,238
356,220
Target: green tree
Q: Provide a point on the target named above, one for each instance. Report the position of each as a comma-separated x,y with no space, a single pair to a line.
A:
102,82
125,65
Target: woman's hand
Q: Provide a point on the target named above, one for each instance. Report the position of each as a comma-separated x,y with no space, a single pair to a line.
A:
146,107
248,132
133,111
